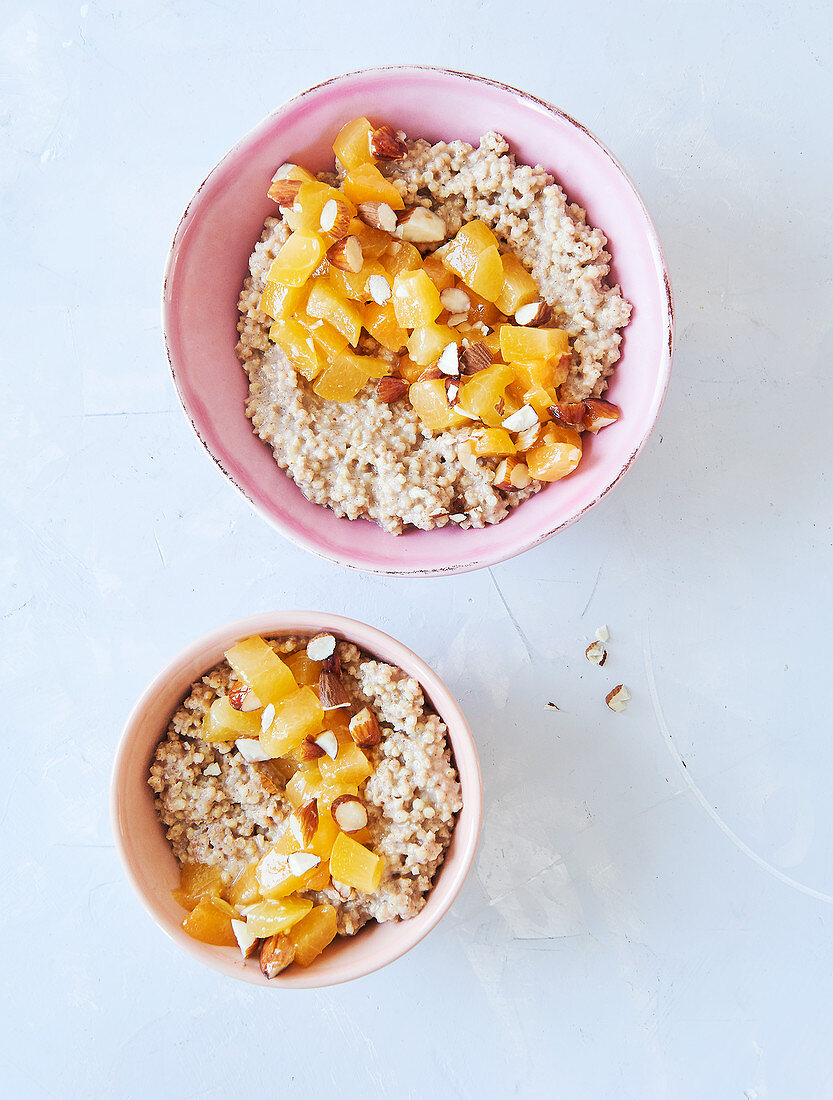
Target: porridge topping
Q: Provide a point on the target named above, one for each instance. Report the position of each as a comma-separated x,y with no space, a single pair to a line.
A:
299,820
420,298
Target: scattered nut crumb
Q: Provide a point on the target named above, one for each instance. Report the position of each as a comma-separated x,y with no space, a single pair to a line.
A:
617,698
596,653
603,634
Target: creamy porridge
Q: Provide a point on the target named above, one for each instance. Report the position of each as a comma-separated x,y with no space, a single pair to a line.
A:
306,817
457,339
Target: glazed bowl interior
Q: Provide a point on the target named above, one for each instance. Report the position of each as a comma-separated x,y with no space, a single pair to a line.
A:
150,863
209,260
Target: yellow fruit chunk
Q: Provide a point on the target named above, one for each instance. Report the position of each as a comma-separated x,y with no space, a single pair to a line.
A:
492,441
297,259
278,300
520,344
519,288
325,303
325,834
313,933
409,370
260,668
540,400
344,377
271,917
426,342
437,272
298,345
320,877
297,716
352,144
275,878
350,767
401,256
482,392
557,455
289,172
485,277
355,865
353,284
244,890
304,216
303,668
209,924
469,243
329,342
224,723
416,300
537,374
198,881
365,183
430,402
381,323
373,241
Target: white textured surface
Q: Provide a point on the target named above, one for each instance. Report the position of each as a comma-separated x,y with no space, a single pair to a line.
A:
650,914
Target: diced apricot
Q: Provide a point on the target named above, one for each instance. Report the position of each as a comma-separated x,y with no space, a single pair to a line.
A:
426,342
430,402
325,303
320,877
257,665
485,277
482,310
492,441
470,242
539,399
350,766
277,864
409,370
303,668
437,272
353,284
416,300
278,300
224,723
520,344
355,865
381,323
329,342
326,833
289,172
519,288
209,924
344,377
313,933
198,881
352,144
297,716
538,373
401,256
365,183
556,456
297,258
373,241
339,722
244,889
298,345
271,917
482,392
492,342
304,216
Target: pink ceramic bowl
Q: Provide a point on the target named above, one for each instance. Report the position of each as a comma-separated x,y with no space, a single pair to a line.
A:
154,872
209,258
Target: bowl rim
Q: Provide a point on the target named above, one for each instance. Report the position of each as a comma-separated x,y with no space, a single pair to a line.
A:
299,537
379,644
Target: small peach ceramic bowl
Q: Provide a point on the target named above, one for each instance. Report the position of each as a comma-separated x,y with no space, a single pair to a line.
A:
209,260
154,872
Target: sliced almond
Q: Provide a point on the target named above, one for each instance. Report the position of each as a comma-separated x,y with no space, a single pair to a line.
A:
269,776
449,360
251,749
346,254
272,870
306,820
276,954
379,289
452,392
458,517
243,698
309,750
391,389
246,940
386,144
521,420
455,319
331,692
212,769
466,455
599,414
430,374
535,313
378,215
455,300
617,698
596,653
301,862
364,728
328,742
512,473
571,413
284,192
321,647
349,812
267,718
335,217
475,357
421,226
528,438
603,634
